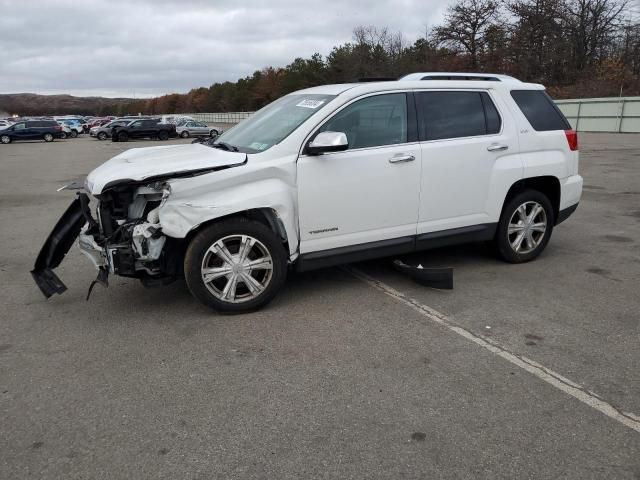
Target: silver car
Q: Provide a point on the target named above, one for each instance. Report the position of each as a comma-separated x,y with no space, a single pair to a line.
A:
103,132
193,128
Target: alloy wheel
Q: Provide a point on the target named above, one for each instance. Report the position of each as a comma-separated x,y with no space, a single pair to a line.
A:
527,227
237,268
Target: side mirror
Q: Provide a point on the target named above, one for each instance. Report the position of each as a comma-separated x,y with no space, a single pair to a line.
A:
326,142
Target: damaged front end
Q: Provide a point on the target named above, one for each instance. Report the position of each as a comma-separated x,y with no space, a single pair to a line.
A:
123,234
124,239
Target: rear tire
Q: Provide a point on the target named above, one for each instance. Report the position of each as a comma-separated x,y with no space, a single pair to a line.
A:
5,139
63,135
102,136
48,137
525,227
239,283
213,133
74,134
163,135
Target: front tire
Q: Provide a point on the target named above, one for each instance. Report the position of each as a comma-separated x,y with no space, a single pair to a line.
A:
102,136
525,227
5,139
235,266
74,134
163,135
184,134
213,133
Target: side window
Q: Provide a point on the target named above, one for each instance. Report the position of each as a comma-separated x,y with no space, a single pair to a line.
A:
19,126
372,121
491,114
451,115
137,124
542,113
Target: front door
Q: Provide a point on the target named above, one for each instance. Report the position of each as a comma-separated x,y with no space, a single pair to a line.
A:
370,192
22,131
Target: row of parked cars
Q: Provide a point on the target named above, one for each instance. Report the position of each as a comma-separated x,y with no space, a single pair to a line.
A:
122,129
118,129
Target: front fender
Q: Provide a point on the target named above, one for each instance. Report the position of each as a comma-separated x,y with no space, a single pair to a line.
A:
182,213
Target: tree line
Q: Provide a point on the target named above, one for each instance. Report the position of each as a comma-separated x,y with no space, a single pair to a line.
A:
577,48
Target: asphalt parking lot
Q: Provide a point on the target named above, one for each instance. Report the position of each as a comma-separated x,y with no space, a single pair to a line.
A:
350,373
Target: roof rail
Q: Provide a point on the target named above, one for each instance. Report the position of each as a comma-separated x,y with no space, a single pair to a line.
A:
487,77
377,79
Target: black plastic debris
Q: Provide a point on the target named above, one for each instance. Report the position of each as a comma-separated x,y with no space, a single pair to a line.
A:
441,278
102,279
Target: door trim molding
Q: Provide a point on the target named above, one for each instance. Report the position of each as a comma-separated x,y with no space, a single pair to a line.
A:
395,246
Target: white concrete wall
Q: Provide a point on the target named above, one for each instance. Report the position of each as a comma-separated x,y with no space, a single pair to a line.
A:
614,114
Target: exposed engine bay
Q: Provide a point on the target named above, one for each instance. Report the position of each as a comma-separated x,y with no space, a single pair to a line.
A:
127,239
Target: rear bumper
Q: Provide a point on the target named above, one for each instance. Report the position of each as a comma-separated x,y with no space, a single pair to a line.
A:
570,191
57,245
566,213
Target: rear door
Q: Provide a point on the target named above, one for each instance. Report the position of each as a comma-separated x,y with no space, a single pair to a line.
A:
366,196
201,128
469,153
136,129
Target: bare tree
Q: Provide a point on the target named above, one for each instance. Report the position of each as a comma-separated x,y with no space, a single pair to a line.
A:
591,25
466,24
538,40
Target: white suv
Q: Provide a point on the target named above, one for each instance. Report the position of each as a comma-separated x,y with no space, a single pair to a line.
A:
329,175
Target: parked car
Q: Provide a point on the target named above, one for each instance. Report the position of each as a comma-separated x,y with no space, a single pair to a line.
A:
73,124
329,175
47,130
67,132
103,132
149,128
5,124
98,122
192,128
174,118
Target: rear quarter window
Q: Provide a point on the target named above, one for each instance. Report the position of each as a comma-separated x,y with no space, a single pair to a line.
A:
540,111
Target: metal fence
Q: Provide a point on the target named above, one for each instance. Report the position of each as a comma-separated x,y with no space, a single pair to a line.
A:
616,114
223,117
621,115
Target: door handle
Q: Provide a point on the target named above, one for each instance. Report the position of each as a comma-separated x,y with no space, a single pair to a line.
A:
497,147
402,158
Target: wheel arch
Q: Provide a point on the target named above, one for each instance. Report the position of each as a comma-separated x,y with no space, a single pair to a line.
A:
548,185
267,216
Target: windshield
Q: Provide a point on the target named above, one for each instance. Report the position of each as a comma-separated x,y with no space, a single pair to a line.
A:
272,124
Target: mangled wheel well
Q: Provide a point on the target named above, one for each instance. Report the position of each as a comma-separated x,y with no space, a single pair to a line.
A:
266,216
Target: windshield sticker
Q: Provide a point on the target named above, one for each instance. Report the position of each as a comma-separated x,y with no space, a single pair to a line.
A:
310,103
259,146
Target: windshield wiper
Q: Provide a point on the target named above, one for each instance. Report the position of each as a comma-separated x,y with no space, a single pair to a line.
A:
225,146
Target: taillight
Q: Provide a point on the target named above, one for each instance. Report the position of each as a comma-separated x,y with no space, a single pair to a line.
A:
572,139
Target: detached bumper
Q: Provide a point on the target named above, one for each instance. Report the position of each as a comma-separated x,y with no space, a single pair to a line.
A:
57,245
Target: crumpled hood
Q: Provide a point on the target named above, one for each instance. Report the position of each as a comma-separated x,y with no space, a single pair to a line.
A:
139,164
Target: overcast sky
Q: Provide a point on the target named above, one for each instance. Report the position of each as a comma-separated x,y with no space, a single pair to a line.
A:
145,48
